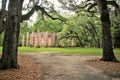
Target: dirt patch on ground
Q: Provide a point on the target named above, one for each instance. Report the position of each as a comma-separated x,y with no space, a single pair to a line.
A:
110,68
29,70
56,66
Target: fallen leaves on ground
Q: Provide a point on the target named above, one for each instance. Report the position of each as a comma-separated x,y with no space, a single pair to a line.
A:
29,70
112,68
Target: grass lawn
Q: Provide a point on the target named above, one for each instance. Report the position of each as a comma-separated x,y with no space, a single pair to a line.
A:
87,51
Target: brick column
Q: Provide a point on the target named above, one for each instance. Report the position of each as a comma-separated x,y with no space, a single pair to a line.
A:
27,39
31,39
73,41
49,40
23,40
38,38
46,39
53,39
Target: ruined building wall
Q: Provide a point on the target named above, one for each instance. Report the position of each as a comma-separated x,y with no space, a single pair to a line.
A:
43,39
39,39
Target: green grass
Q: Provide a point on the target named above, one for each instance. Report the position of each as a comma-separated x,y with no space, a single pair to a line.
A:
0,49
62,50
87,51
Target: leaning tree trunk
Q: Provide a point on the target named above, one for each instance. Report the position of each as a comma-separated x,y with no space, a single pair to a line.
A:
108,54
10,43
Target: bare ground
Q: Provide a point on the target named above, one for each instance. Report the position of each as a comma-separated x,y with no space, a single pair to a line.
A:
110,68
57,66
29,70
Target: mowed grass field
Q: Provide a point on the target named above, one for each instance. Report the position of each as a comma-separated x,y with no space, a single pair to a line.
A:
77,50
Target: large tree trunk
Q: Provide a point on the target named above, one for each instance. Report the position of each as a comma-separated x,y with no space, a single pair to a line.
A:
10,44
108,54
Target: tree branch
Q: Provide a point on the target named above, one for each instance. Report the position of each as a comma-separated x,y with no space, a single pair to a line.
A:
46,13
28,15
91,6
113,3
36,8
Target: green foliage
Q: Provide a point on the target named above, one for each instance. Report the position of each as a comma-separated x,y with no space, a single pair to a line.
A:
115,30
85,26
24,28
86,29
1,39
47,25
44,24
64,42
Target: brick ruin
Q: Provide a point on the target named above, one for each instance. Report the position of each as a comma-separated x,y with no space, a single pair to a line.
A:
42,39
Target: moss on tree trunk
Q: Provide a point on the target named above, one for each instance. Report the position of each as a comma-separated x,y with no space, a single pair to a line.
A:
10,43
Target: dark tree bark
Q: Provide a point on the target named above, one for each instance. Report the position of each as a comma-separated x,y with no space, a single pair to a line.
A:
108,54
4,4
1,22
10,44
2,16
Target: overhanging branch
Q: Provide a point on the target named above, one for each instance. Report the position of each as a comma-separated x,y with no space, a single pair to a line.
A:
113,3
91,6
46,13
36,8
28,15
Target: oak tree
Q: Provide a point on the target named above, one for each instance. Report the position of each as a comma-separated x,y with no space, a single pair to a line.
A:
11,27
